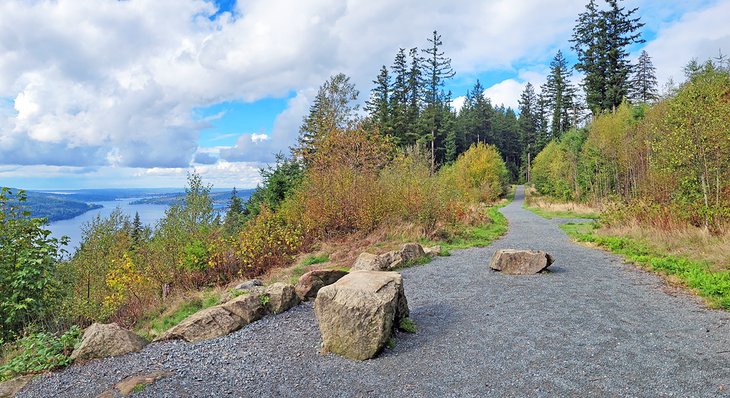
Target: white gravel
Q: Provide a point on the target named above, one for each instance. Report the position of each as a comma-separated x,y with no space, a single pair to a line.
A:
591,327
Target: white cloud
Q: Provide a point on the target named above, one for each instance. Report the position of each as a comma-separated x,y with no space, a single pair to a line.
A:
506,92
698,34
253,147
107,82
458,103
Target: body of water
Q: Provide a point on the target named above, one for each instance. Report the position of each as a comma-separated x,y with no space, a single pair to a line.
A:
148,214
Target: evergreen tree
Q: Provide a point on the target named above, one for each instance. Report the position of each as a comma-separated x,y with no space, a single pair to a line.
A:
234,216
399,98
644,83
528,125
600,39
378,106
558,92
332,109
436,70
413,110
542,117
136,230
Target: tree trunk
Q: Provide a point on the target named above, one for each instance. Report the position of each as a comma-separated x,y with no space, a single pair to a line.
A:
433,150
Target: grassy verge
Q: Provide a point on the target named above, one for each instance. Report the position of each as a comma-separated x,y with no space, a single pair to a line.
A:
157,324
477,236
550,214
550,208
714,286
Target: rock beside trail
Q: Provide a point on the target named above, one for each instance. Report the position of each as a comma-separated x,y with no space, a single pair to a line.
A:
411,251
249,284
370,262
11,387
107,340
432,251
310,283
393,259
282,296
248,307
357,314
206,324
520,262
234,314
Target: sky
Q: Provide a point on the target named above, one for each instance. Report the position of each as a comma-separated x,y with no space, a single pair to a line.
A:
137,93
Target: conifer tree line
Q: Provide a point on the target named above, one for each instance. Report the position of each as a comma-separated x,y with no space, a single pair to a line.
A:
409,103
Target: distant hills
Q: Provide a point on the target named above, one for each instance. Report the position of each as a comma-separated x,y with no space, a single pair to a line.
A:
55,207
220,198
65,204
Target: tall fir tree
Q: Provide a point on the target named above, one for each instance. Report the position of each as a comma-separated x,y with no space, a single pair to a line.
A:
600,39
234,216
644,85
413,111
378,105
333,108
528,124
136,230
399,97
436,71
559,94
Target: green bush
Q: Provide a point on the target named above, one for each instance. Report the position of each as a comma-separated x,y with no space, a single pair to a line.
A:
37,352
28,266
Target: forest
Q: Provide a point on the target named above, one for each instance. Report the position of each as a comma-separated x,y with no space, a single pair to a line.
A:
54,207
413,168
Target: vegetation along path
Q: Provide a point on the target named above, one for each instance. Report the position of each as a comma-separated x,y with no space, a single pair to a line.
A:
592,326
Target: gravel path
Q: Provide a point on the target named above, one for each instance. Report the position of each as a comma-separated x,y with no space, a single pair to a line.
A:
591,327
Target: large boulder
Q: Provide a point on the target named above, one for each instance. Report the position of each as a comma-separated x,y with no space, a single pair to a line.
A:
520,262
282,296
248,307
357,314
310,283
411,251
9,388
107,340
388,261
370,262
206,324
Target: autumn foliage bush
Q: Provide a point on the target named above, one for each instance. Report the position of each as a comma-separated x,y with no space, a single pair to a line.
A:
356,182
666,166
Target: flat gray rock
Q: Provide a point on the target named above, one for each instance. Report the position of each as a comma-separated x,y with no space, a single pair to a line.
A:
520,262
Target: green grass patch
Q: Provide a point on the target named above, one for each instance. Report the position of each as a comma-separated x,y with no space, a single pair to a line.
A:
712,285
158,325
311,260
139,388
37,352
416,261
479,236
407,325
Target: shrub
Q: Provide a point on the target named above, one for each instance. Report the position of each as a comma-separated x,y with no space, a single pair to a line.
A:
36,352
268,241
479,173
28,266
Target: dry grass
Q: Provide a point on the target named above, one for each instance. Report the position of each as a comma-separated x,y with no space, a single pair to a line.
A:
549,207
693,243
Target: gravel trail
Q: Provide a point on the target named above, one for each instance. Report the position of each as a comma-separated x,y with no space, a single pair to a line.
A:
591,327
